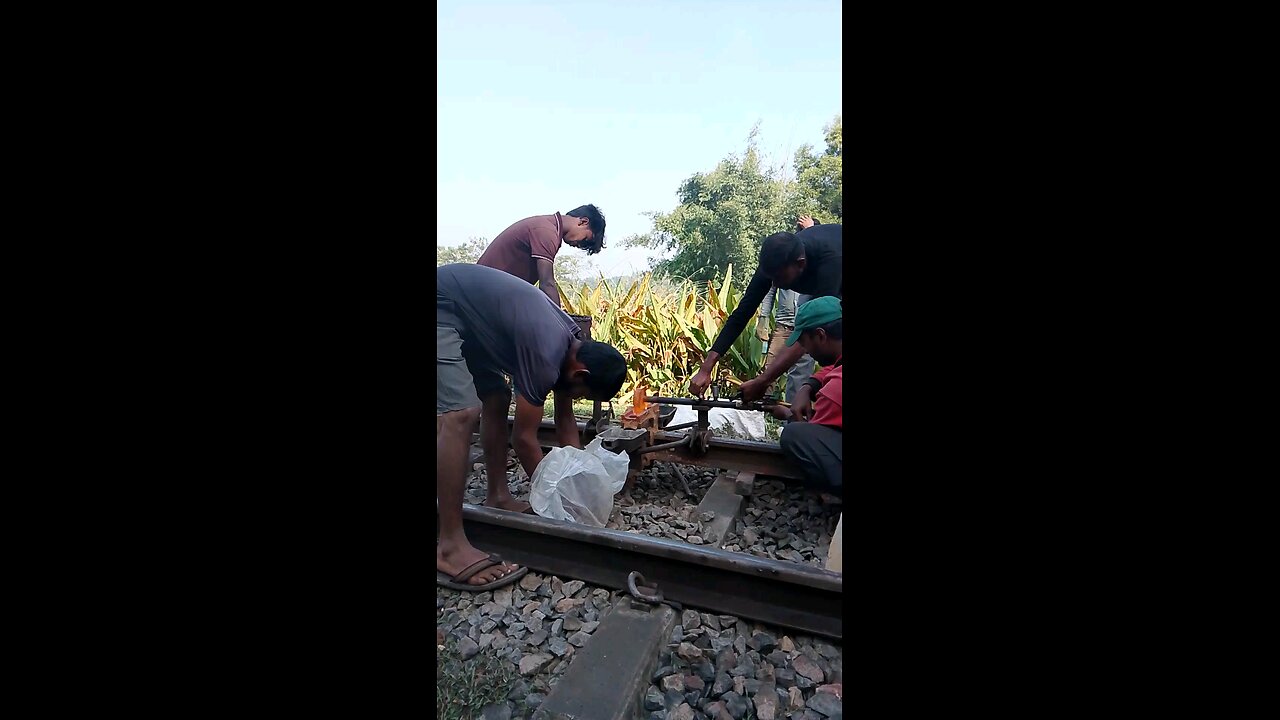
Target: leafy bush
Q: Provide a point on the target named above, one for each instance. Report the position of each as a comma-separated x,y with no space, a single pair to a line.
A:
664,331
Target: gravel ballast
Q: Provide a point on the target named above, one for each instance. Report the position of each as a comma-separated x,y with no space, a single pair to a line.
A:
536,624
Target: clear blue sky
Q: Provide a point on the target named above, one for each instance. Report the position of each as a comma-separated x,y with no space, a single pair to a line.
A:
545,106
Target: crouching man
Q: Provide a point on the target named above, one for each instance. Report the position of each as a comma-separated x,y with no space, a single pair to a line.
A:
489,323
813,440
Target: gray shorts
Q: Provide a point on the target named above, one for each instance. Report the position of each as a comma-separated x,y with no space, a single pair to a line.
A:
460,383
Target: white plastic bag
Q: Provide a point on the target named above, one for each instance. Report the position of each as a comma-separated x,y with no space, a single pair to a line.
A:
578,485
748,424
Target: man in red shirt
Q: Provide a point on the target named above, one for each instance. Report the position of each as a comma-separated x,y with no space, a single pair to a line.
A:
528,248
814,440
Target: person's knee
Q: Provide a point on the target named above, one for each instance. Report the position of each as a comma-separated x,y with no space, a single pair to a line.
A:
462,420
498,398
792,433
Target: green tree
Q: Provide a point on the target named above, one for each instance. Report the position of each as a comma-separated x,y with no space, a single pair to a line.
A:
467,252
723,215
819,185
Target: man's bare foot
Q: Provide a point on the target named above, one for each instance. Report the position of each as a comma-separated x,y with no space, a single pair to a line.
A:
453,562
507,503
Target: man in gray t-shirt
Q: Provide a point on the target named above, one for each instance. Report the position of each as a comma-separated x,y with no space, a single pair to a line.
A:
489,323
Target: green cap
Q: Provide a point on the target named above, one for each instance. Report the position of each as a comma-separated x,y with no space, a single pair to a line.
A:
815,313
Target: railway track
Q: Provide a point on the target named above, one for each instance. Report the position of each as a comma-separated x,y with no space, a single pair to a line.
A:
630,667
781,593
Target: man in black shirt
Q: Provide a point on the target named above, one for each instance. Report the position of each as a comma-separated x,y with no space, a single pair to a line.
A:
808,262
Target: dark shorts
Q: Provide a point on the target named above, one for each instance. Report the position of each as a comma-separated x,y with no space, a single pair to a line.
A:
818,451
460,381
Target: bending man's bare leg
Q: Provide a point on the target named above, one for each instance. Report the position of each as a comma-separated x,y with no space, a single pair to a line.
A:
494,438
454,553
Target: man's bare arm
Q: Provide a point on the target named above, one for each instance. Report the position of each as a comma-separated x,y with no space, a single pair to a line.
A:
524,437
566,424
547,280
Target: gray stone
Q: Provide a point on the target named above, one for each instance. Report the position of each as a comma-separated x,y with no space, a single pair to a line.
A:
502,596
735,704
722,685
467,648
486,639
674,681
751,686
571,623
572,587
590,626
808,668
826,704
727,620
784,677
777,658
795,699
766,702
498,711
726,660
690,619
689,652
672,699
558,646
693,682
740,644
653,699
764,642
826,651
744,668
710,621
487,626
695,539
537,638
660,673
533,700
531,664
705,670
579,639
530,582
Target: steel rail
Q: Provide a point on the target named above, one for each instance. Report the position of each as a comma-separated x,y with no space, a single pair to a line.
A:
774,592
761,458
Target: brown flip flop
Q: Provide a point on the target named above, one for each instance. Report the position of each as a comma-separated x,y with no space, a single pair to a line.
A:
459,581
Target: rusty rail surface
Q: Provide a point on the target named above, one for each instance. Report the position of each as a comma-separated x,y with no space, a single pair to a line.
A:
761,458
774,592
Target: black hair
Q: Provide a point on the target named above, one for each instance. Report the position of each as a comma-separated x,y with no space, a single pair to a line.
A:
779,250
834,329
595,221
606,366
